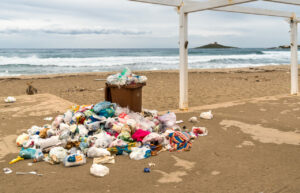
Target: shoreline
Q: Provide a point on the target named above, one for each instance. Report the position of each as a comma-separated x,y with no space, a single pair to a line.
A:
207,70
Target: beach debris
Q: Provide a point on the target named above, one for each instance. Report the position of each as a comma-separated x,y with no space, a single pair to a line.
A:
10,99
193,120
48,118
199,131
76,159
126,77
16,160
7,170
179,121
30,173
206,115
99,170
151,164
30,89
104,160
146,170
29,164
101,131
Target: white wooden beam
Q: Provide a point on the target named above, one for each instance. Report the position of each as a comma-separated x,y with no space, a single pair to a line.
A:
183,60
294,57
291,2
201,6
256,11
174,3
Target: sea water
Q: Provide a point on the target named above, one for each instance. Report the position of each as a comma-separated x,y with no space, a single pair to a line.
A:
48,61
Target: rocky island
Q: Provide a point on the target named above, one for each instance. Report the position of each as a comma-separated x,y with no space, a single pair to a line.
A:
213,46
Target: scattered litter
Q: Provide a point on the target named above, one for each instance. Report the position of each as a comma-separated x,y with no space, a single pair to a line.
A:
199,131
180,121
193,120
125,78
99,170
10,99
48,118
104,160
76,159
151,164
146,170
100,89
103,130
31,173
7,170
29,164
206,115
16,160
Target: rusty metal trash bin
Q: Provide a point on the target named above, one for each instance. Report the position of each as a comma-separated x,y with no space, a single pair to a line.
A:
126,96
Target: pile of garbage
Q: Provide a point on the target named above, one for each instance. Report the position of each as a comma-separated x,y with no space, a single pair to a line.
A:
126,77
101,131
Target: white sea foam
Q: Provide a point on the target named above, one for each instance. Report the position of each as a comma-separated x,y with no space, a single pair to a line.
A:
268,57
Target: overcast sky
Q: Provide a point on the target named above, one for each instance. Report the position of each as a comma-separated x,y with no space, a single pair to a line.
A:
125,24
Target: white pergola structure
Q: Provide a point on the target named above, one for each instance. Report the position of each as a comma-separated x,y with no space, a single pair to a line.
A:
184,7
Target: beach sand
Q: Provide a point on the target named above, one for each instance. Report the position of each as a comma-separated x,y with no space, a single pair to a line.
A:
252,144
162,89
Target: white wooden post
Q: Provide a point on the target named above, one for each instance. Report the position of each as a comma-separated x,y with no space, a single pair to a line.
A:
183,61
294,57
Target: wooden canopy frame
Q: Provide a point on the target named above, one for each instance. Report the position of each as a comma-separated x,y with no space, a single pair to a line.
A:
184,7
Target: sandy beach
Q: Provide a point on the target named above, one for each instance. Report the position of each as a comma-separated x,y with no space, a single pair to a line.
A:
162,90
252,145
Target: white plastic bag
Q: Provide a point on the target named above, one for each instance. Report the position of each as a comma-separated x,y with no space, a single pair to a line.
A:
33,130
10,99
68,117
99,170
193,120
97,152
22,139
82,130
169,119
206,115
103,140
138,153
44,143
59,152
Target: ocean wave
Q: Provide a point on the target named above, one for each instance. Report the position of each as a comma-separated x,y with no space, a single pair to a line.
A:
267,57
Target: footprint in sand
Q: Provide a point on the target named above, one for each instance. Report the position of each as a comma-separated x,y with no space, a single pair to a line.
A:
174,177
7,145
264,134
188,165
215,173
245,143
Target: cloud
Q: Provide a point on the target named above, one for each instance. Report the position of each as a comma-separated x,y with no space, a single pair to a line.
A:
74,31
132,24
